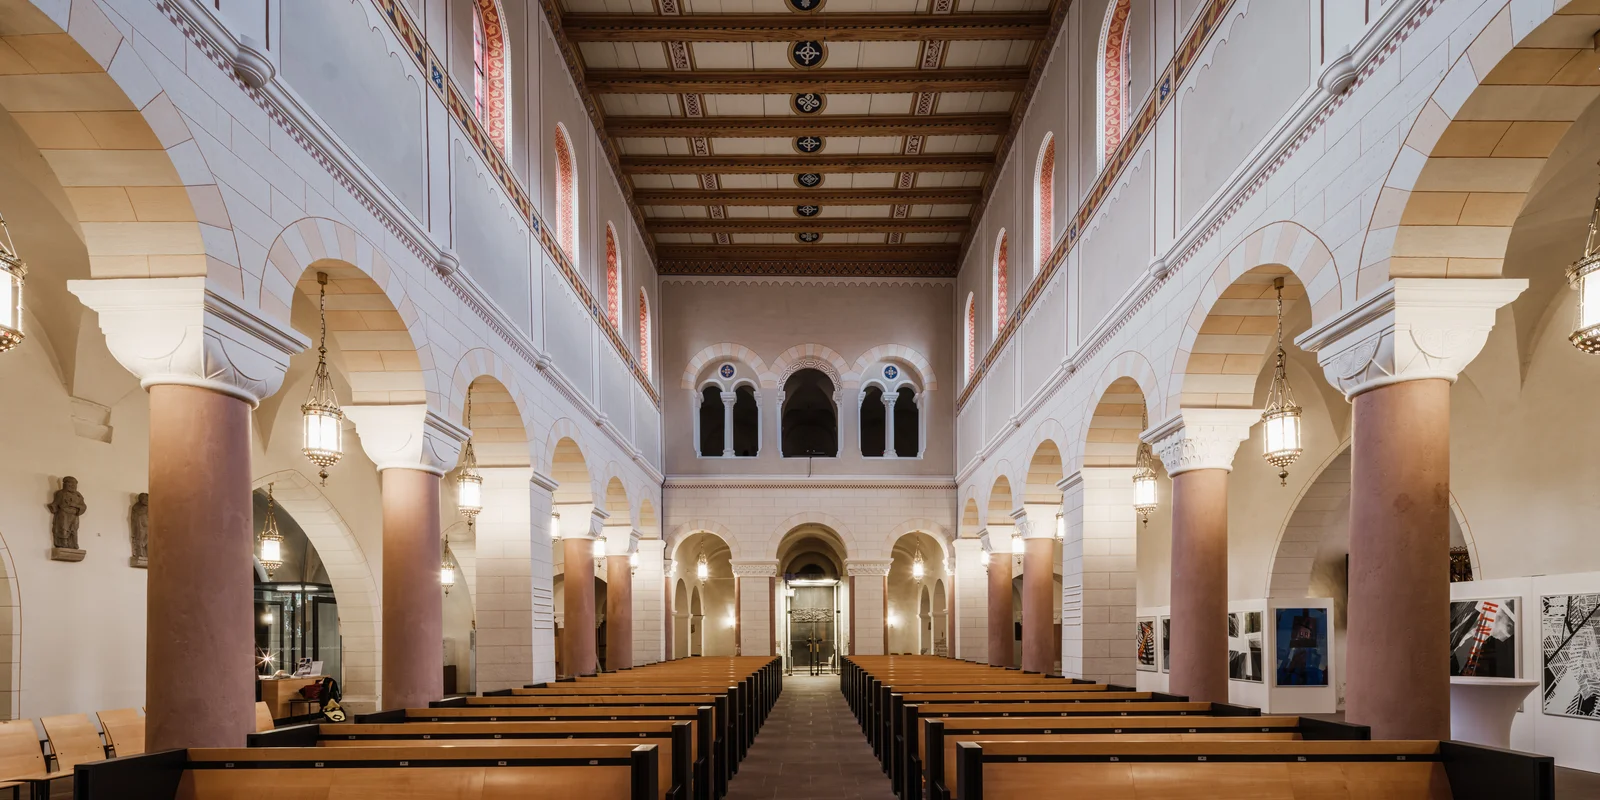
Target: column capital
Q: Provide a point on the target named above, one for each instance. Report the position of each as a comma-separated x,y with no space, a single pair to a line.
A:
177,331
543,481
890,398
1201,438
409,436
728,398
874,568
755,569
621,540
1411,329
1071,482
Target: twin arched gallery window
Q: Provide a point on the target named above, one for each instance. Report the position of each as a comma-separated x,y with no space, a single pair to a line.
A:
730,422
810,422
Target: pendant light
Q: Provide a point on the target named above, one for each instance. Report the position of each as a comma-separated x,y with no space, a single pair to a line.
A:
447,569
917,568
1061,526
12,275
271,540
1281,420
633,563
555,526
702,569
324,421
1144,475
469,494
984,557
1586,329
1018,547
599,550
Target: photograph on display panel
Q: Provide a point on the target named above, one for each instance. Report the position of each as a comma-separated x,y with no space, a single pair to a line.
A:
1244,646
1571,645
1302,646
1166,644
1483,638
1147,645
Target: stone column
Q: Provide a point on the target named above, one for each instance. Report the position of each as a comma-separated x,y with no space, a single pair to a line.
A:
621,540
503,598
868,595
1394,356
650,608
1197,446
541,549
669,598
1099,574
888,424
971,614
412,448
1038,588
728,399
755,605
206,363
997,542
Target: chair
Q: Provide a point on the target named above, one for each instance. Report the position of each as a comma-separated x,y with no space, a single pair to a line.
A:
124,729
264,717
74,740
21,759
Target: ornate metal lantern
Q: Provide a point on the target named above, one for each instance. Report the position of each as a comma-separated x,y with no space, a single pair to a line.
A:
271,554
917,568
1018,546
702,569
324,420
1144,485
1061,526
555,526
633,562
469,494
447,569
984,557
13,273
1281,420
1582,276
599,550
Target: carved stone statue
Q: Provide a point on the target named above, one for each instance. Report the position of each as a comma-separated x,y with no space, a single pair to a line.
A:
67,508
139,521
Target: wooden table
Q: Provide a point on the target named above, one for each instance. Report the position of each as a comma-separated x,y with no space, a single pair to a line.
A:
277,692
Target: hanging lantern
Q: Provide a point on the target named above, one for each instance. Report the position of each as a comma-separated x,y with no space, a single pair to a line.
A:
633,562
555,526
1281,420
271,540
324,421
469,494
1018,547
702,570
1586,330
447,570
917,568
1061,526
983,558
599,550
1144,485
12,274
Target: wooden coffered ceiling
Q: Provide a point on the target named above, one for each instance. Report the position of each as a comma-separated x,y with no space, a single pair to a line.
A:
807,137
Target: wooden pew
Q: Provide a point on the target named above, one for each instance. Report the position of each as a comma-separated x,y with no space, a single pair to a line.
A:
124,729
1282,770
598,771
936,772
674,740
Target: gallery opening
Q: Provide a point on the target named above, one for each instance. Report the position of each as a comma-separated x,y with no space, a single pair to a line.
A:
785,399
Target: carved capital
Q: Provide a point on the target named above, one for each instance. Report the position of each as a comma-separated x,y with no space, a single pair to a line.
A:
1412,329
874,568
755,569
1201,438
178,331
729,398
408,437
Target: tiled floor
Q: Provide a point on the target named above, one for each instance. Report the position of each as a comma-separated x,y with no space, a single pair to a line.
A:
811,747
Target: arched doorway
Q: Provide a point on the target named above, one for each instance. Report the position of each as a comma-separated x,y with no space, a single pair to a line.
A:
705,563
811,620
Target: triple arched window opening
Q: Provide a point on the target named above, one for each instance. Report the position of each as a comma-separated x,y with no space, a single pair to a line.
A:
728,421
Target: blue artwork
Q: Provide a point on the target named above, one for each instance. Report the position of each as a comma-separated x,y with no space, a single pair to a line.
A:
1302,646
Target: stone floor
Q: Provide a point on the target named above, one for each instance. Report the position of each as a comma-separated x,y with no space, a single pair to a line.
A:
810,747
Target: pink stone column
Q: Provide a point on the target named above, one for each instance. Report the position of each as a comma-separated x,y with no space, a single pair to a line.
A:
667,618
577,595
1038,623
1000,611
1397,668
199,678
413,604
1200,585
619,613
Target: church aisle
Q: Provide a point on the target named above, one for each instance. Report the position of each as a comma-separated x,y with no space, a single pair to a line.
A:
810,747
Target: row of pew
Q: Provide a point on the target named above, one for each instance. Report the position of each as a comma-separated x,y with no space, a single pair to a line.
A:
945,729
671,731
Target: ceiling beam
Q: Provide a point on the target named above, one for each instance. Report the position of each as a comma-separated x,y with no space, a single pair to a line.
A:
834,197
783,81
822,125
818,224
786,27
760,252
821,162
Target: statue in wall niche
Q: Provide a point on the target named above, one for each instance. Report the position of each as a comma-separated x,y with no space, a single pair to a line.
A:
139,522
67,509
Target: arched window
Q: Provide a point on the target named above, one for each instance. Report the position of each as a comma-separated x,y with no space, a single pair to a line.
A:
873,423
746,422
1114,75
566,195
907,424
713,430
644,333
489,71
613,279
810,424
969,347
1044,203
1000,276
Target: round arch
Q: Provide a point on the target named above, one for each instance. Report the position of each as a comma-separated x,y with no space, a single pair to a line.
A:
906,356
502,423
725,351
810,356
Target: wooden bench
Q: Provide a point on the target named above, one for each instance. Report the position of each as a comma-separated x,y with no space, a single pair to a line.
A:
936,771
674,740
1287,770
597,771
